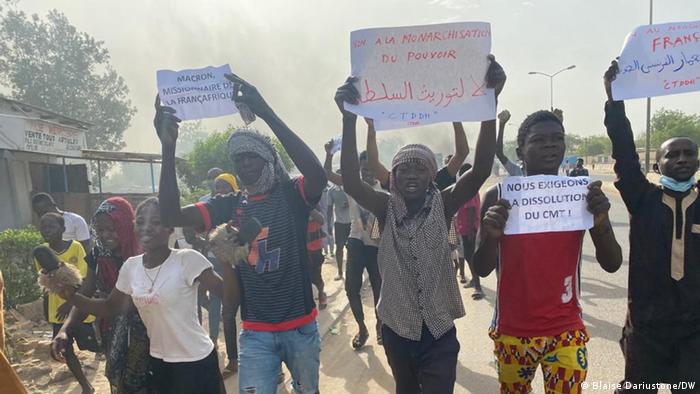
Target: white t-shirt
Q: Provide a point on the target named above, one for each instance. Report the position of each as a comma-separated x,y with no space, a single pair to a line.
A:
76,228
170,310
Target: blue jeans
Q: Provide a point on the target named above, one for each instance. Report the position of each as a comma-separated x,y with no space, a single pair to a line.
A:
229,319
262,353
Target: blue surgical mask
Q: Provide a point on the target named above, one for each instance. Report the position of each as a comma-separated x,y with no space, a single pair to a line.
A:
672,184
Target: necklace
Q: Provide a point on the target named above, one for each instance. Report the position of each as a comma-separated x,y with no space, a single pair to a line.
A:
153,281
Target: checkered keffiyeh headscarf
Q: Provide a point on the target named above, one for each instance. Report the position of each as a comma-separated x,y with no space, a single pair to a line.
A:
412,153
245,140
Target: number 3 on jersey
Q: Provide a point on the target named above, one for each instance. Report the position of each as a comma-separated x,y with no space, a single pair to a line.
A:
568,290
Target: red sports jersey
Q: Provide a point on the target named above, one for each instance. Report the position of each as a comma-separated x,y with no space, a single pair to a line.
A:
538,284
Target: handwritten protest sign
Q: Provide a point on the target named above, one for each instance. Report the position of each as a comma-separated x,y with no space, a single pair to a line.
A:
546,203
418,75
658,60
197,94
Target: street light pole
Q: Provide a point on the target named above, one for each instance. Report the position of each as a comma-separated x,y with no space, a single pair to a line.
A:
551,83
648,131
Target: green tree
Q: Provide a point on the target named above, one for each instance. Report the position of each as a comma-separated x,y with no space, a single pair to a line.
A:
668,123
212,151
594,145
47,62
189,134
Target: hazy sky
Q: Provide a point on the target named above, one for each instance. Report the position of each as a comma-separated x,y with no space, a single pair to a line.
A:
297,52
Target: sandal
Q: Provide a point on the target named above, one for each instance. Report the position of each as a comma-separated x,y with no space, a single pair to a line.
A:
462,279
478,295
359,340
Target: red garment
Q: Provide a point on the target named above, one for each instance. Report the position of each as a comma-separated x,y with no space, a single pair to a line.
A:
464,225
314,236
538,284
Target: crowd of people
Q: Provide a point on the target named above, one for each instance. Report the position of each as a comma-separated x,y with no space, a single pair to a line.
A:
413,227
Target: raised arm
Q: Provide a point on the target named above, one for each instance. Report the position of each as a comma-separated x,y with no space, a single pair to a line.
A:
166,125
461,149
503,118
631,182
470,182
353,185
328,165
494,214
380,172
302,156
607,250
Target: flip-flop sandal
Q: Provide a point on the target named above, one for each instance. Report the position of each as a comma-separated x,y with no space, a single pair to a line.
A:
478,295
462,280
359,340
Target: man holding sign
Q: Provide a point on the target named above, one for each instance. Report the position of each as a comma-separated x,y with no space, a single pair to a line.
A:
538,317
419,296
661,337
277,305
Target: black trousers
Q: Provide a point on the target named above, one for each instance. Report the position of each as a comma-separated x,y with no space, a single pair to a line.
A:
196,377
660,359
425,366
361,257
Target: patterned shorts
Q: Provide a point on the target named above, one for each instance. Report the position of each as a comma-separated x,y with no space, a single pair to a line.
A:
563,359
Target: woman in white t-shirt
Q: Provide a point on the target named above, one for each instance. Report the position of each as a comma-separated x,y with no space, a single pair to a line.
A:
163,284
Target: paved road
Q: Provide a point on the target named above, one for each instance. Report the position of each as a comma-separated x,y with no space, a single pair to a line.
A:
604,297
604,305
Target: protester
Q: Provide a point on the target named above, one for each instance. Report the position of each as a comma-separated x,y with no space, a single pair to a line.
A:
339,201
76,228
362,253
467,223
278,311
444,178
578,170
212,173
162,284
124,338
536,324
511,168
224,184
661,336
71,252
420,297
314,247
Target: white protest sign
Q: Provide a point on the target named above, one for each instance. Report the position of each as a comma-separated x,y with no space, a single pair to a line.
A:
418,75
658,60
546,203
198,93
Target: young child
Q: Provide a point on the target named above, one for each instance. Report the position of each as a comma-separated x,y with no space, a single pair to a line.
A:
71,252
538,317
